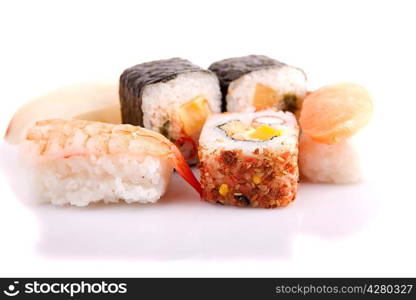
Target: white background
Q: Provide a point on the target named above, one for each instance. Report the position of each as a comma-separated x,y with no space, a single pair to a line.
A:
363,230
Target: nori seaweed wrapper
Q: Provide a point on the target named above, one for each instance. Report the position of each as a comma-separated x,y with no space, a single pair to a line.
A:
231,69
133,81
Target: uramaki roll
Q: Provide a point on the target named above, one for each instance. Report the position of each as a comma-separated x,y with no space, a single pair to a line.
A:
250,159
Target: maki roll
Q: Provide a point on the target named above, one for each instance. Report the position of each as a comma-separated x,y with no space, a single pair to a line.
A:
250,159
257,82
173,97
80,162
330,146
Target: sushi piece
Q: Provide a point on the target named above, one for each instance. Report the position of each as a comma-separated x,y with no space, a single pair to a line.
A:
257,82
250,159
92,101
171,96
79,162
330,119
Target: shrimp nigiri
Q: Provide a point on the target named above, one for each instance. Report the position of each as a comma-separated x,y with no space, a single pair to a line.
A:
79,162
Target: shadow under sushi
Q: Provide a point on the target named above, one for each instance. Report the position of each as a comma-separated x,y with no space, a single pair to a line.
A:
181,226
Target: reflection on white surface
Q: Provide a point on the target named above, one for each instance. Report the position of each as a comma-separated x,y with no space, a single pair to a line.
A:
180,226
334,211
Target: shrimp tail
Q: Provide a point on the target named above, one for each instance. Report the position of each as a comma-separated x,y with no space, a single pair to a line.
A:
179,163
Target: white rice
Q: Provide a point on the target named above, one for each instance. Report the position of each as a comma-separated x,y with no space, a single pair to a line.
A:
161,101
284,80
80,180
334,163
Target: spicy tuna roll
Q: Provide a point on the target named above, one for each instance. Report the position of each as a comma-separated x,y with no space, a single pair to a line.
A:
257,82
171,96
250,159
